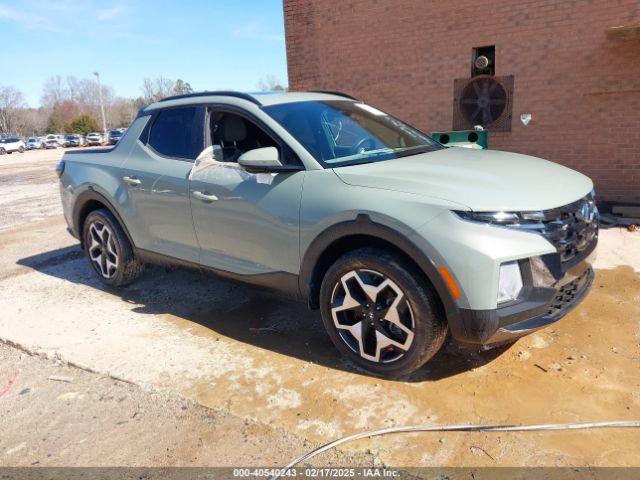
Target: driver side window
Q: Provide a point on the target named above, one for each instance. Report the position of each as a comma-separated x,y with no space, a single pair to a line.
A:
236,135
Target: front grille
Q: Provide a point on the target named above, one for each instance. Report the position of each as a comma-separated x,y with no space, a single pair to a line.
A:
566,295
573,228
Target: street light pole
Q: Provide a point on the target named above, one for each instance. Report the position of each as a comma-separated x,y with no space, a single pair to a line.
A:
104,122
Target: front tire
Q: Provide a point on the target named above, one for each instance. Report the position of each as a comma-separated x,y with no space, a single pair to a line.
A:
108,250
21,149
2,151
381,313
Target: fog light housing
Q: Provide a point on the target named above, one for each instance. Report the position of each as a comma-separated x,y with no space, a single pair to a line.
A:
540,273
510,283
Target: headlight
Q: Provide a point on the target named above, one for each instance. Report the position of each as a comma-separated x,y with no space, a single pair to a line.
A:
529,220
510,283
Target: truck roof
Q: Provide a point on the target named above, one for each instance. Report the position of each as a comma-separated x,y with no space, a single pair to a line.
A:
259,98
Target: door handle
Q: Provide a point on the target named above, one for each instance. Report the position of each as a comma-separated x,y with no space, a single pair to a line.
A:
204,197
132,180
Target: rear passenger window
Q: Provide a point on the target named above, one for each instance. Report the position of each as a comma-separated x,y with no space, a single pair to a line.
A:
178,132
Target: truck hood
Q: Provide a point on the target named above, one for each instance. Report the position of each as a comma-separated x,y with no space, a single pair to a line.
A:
481,180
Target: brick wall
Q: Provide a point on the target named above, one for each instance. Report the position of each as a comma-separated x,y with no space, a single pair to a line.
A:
582,89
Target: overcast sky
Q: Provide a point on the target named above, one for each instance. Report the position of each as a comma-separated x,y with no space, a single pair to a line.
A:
212,44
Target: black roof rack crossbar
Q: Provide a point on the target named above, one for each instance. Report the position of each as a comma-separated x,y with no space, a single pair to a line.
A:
225,93
329,92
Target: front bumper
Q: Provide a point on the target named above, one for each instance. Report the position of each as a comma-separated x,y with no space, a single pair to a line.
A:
537,307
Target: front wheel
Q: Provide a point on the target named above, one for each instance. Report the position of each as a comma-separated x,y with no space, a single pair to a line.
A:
2,151
380,312
108,250
21,149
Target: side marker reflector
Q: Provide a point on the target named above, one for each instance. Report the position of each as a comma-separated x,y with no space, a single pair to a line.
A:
451,283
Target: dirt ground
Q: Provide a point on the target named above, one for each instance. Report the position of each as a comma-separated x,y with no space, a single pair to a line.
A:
211,359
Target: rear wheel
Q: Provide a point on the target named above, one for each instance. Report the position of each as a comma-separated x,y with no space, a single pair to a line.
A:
108,250
380,312
2,151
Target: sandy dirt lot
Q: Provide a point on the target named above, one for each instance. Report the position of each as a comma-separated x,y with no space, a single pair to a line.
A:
252,356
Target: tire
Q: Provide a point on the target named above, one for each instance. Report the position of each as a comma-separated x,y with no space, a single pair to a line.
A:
418,328
108,250
2,151
21,149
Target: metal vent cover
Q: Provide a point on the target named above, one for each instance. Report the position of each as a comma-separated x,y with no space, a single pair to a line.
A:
483,100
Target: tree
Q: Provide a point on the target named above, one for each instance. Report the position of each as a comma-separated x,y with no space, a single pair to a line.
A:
11,102
121,112
62,114
270,83
54,123
181,87
54,91
83,125
156,89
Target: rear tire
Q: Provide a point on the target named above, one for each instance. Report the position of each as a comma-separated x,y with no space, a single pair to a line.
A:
381,313
108,249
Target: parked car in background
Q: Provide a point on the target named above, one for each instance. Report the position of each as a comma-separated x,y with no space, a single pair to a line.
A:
73,140
10,145
34,143
54,141
5,135
94,138
395,238
115,136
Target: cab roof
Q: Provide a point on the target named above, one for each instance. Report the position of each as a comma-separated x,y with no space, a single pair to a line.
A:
259,98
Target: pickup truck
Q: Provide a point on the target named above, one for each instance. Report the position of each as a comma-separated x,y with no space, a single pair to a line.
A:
397,239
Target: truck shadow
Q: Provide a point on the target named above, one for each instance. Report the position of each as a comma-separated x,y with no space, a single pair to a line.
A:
243,313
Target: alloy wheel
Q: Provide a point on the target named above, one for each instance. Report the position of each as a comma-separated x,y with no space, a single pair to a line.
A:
102,249
372,315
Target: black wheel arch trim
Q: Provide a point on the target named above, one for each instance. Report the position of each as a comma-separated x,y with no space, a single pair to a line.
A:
81,202
363,225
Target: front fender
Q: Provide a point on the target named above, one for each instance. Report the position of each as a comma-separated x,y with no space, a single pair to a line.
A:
412,246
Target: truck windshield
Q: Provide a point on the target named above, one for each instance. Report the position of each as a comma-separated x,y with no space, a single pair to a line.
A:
339,133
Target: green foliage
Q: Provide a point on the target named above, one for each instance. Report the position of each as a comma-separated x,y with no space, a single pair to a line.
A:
83,125
54,123
181,87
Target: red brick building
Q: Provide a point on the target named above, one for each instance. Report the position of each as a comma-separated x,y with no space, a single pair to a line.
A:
575,67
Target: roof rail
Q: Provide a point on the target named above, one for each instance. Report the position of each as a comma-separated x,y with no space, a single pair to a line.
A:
244,96
329,92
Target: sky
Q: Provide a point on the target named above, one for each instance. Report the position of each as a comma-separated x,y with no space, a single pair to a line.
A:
213,44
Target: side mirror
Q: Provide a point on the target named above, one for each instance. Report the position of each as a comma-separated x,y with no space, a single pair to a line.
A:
261,160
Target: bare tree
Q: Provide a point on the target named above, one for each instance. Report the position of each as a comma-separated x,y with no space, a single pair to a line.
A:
121,112
54,91
11,102
156,89
32,121
271,83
